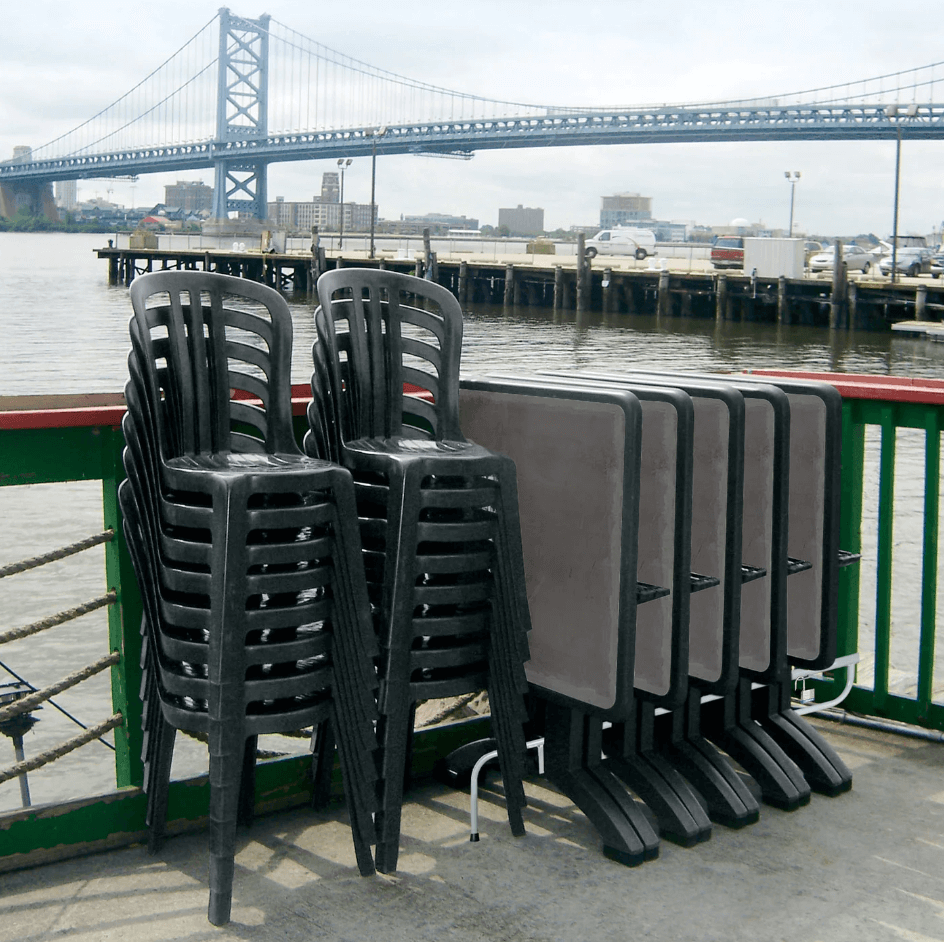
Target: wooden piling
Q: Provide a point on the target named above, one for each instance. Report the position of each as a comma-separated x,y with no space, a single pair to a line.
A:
921,303
558,287
317,256
607,290
783,302
629,297
463,281
853,305
838,297
509,297
567,300
664,302
581,270
721,297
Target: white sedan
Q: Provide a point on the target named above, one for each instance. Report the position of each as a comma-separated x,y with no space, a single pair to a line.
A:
855,257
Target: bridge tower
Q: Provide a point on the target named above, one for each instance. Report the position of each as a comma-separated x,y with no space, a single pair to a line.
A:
241,113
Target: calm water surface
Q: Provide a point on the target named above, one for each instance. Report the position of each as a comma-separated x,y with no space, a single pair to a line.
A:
64,329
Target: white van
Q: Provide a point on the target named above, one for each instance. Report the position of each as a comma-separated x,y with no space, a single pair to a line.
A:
638,242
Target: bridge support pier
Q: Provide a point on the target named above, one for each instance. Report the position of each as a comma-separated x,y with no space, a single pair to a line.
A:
35,198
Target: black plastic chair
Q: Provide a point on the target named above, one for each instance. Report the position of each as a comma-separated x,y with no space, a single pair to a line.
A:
439,517
247,553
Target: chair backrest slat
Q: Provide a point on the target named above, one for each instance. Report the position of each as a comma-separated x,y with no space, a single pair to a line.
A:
379,330
207,344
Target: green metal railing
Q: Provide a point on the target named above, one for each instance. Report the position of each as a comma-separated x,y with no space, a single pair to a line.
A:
888,418
876,413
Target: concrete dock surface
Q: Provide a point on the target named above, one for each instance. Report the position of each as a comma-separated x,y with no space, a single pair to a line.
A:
866,866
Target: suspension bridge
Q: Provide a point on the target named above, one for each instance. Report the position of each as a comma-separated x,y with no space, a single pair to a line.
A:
243,93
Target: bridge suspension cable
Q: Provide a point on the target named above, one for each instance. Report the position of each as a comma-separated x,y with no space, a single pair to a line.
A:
890,88
175,102
316,87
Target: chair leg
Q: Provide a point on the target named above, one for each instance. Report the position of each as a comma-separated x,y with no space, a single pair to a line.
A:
359,804
322,763
394,734
161,750
226,765
247,783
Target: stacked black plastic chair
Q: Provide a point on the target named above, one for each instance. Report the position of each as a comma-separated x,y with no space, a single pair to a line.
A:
247,552
439,518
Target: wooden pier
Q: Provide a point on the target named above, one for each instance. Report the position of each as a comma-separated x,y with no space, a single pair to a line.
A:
545,281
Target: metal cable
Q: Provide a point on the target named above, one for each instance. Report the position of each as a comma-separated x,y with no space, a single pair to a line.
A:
64,748
60,618
25,704
13,568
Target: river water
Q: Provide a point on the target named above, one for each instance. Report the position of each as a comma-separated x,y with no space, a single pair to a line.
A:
64,329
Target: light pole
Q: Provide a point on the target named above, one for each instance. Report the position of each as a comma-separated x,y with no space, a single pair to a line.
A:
342,166
373,182
792,178
892,112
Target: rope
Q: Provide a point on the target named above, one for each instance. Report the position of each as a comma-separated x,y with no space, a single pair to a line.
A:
14,634
64,748
25,704
13,568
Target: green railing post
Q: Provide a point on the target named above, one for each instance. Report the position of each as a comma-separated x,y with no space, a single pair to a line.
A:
883,590
124,620
929,561
850,535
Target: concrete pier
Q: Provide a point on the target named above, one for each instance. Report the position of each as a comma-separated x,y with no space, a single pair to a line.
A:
612,285
866,865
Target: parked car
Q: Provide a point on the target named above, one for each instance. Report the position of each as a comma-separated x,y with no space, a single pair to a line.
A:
937,261
728,252
911,261
855,257
628,241
811,248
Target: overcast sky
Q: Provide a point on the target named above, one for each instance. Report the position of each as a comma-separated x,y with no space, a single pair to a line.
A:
64,60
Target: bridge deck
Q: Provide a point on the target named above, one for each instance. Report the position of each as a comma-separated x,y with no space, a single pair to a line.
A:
866,865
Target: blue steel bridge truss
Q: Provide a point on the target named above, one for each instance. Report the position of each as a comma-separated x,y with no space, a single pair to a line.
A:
258,75
674,125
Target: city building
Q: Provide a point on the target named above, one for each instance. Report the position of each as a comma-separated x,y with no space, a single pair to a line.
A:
522,221
67,194
437,223
301,216
633,210
192,196
331,187
625,209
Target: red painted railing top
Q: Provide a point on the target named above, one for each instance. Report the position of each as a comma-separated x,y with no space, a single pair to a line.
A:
101,410
862,386
106,409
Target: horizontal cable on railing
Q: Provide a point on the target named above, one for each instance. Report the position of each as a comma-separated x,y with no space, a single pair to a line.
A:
54,555
60,618
64,748
25,704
